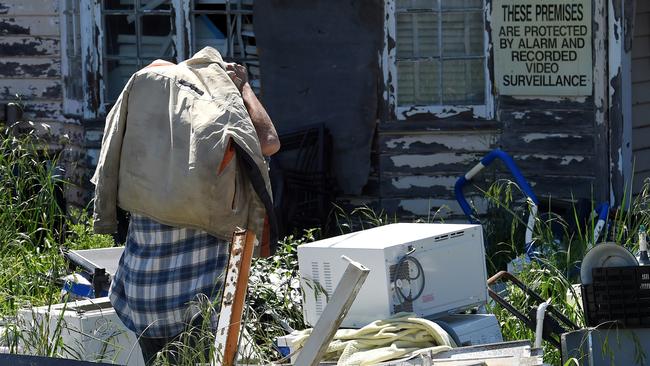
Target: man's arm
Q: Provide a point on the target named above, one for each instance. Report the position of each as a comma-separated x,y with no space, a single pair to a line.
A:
266,133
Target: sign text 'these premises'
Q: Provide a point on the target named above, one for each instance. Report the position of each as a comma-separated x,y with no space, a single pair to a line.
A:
542,47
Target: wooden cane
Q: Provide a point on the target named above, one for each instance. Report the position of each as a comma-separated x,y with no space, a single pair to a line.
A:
234,297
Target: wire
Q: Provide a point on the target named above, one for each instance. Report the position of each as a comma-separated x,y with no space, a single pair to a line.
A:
420,274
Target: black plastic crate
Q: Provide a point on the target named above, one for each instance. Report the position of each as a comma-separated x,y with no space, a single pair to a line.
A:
618,294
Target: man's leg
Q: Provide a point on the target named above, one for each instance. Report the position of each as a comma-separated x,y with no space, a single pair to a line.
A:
151,346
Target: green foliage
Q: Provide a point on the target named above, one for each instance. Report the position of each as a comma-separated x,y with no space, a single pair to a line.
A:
274,298
33,226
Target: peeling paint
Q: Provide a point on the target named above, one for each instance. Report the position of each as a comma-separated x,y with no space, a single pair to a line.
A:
29,46
423,181
30,68
520,115
421,161
464,142
552,99
542,136
563,159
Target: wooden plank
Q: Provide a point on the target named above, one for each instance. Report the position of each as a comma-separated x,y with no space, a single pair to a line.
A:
642,160
642,6
641,92
642,23
32,89
566,142
30,67
442,187
28,46
641,47
43,25
641,115
534,117
436,142
640,179
430,209
439,186
29,7
565,187
641,138
234,296
39,110
457,163
428,126
565,165
337,306
449,162
641,69
552,103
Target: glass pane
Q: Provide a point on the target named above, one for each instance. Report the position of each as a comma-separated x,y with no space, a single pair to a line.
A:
155,5
462,34
156,40
462,4
463,82
416,4
119,72
208,32
417,35
118,4
418,82
120,35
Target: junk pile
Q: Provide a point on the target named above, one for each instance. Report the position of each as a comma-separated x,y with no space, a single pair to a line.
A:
423,288
614,288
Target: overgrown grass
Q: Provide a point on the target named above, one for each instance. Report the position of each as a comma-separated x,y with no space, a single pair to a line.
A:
34,228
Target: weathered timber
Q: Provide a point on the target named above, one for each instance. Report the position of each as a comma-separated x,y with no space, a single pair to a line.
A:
44,25
32,89
547,119
22,7
430,209
30,67
436,143
568,142
641,115
29,46
544,103
449,162
418,186
447,125
641,47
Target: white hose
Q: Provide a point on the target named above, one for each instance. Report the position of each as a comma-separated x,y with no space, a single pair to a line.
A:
539,328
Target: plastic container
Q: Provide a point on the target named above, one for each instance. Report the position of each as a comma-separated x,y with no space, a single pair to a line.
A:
618,294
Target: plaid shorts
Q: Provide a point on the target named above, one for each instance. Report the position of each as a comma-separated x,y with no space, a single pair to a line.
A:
162,271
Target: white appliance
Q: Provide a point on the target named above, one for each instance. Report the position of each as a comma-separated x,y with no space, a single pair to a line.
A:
473,329
429,269
90,330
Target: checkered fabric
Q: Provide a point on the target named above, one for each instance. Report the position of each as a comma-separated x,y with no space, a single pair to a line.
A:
163,269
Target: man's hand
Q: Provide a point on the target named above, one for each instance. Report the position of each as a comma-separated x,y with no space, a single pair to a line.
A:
266,133
238,74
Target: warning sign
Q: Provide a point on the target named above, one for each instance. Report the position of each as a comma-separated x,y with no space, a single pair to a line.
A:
542,47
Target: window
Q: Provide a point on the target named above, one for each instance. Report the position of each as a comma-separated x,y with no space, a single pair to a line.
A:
120,37
439,57
226,25
136,33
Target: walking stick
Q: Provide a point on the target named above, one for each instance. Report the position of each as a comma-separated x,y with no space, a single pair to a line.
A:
234,297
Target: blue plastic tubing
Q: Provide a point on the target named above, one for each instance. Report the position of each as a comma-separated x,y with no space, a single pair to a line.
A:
487,160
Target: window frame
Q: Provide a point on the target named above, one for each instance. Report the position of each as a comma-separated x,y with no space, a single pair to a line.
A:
389,61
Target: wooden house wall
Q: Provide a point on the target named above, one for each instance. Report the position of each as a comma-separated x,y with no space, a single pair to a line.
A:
559,143
641,94
31,73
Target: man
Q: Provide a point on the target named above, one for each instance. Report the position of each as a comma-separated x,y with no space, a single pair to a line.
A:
183,153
